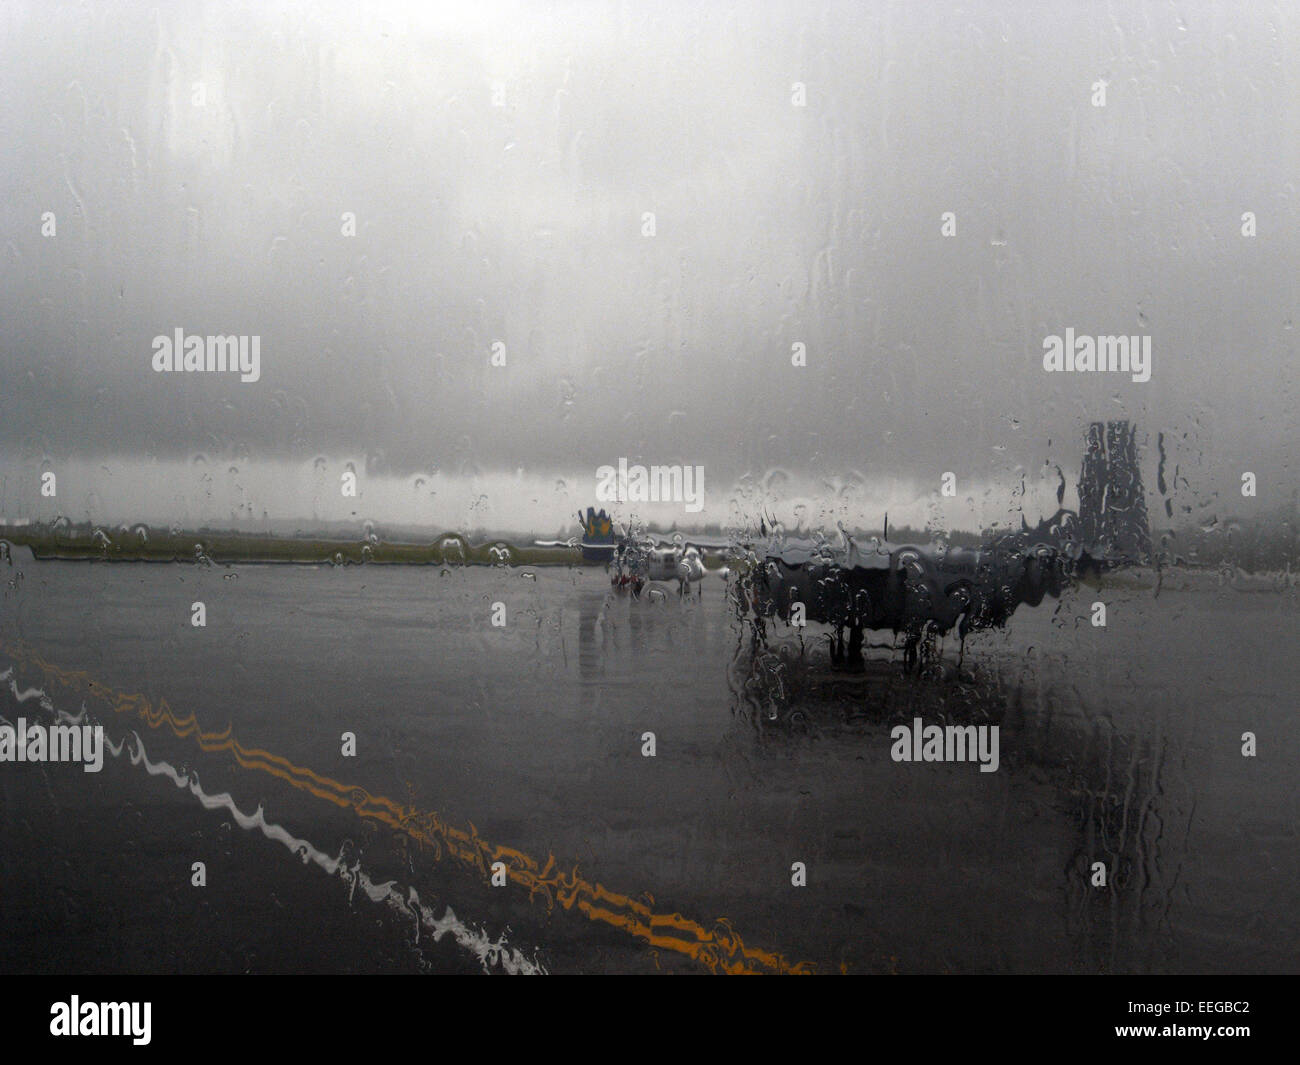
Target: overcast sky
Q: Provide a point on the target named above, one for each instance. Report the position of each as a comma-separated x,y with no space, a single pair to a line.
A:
198,160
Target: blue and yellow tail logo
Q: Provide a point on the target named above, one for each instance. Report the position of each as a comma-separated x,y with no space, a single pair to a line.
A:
598,539
596,528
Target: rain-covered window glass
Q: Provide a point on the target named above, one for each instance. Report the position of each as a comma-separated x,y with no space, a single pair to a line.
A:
648,487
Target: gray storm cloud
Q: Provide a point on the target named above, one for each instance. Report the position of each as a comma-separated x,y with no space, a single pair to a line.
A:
499,161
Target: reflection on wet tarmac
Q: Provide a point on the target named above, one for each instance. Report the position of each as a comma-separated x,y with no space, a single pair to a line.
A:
1110,753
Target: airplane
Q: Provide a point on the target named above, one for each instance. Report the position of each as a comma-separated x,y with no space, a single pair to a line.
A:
917,589
637,559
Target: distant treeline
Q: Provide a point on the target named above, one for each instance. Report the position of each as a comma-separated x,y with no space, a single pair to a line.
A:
85,542
1266,542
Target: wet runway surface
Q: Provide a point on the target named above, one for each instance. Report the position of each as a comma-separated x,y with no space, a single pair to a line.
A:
524,744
